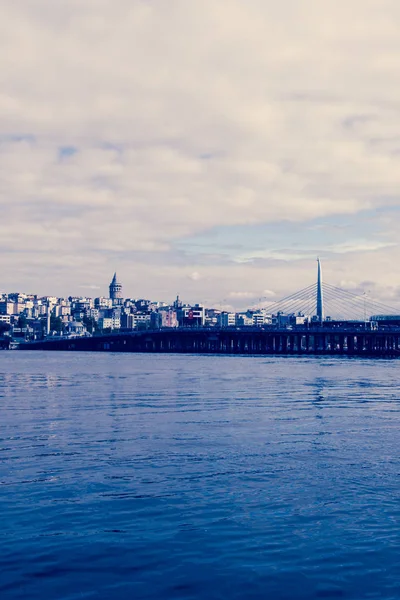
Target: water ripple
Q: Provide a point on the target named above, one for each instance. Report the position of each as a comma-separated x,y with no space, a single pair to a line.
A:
144,476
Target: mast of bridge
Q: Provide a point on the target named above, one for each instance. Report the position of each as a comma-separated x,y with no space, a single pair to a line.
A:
320,297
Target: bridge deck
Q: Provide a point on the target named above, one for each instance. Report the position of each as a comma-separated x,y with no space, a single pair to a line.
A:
322,341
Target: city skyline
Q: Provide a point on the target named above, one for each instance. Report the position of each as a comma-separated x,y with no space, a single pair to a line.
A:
209,151
234,302
308,301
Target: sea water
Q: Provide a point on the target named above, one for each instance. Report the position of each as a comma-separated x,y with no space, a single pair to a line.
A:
180,476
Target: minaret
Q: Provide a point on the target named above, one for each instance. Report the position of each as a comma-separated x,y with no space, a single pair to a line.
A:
115,290
48,317
320,298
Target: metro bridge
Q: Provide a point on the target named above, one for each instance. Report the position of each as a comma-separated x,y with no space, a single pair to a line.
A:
349,341
350,331
322,302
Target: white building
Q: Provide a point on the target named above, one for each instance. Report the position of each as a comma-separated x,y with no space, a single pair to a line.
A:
227,319
75,328
103,302
261,318
110,323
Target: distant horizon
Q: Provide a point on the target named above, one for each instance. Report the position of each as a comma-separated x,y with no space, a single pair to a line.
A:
296,302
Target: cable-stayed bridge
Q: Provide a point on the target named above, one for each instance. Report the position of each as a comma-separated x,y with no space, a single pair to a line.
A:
322,301
338,304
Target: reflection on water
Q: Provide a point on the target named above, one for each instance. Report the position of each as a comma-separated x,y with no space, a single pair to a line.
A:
145,476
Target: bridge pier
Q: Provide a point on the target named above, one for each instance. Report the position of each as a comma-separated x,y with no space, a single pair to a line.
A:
261,342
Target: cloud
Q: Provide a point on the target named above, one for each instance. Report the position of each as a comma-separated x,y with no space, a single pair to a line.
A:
90,286
242,295
195,276
127,127
360,246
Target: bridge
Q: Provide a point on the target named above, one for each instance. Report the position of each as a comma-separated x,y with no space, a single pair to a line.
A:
322,301
349,330
347,341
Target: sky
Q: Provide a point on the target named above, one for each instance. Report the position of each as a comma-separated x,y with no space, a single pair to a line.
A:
211,149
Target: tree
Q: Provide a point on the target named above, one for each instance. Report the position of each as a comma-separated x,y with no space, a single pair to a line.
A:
56,324
4,327
91,324
22,321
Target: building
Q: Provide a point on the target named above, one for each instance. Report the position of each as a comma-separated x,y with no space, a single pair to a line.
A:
109,323
92,313
213,316
7,308
128,321
115,291
142,305
385,320
281,320
244,320
62,309
102,303
167,318
191,316
142,321
75,328
227,319
261,318
300,319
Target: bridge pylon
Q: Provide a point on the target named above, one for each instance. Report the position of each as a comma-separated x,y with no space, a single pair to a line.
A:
320,296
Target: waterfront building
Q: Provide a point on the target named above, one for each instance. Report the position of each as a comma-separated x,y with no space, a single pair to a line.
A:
386,319
75,328
142,320
227,319
244,320
300,319
259,319
168,317
191,316
281,320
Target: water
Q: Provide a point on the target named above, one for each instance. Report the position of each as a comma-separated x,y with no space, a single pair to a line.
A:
146,476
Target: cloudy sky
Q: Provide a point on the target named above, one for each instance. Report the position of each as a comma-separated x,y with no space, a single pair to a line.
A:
211,148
